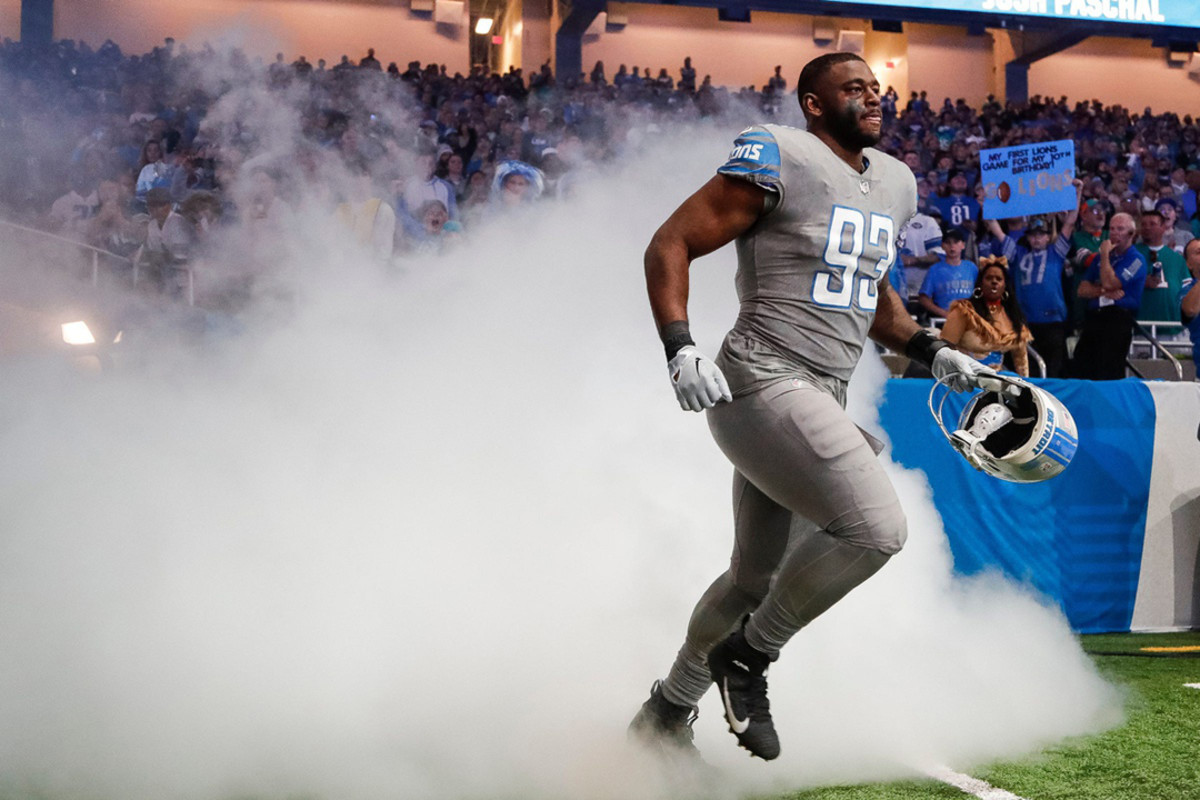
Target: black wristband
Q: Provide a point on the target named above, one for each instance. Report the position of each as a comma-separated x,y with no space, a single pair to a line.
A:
675,337
923,346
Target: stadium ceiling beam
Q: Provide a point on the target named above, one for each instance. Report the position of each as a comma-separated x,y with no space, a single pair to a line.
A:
568,40
1029,47
37,21
1033,46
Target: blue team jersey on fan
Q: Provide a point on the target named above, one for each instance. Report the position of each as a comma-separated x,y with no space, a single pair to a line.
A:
1038,276
945,283
956,210
1131,269
755,157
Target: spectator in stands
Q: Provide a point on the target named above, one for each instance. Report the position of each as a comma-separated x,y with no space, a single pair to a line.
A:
481,157
925,197
887,104
777,85
1113,285
437,230
1189,298
112,228
70,214
516,183
369,61
167,244
951,278
1165,276
451,169
202,210
424,186
538,137
920,248
1085,242
1180,189
1174,236
153,170
263,208
687,76
956,207
989,324
1039,270
371,219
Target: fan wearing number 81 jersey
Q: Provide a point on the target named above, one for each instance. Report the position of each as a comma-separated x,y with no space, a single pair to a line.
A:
810,271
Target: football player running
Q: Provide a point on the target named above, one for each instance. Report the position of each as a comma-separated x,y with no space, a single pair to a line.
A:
815,215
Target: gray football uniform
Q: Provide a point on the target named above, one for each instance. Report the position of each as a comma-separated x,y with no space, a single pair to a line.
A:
810,271
814,512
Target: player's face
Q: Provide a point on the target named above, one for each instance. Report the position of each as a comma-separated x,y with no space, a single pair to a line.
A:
850,99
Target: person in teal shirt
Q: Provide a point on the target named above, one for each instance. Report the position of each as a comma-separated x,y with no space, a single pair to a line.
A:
1164,278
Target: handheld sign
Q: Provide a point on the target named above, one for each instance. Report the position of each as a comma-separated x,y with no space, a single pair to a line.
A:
1028,179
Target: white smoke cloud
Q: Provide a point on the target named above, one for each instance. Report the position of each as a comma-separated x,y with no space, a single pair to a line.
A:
435,535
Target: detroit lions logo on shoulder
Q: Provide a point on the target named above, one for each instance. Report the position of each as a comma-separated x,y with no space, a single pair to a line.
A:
752,152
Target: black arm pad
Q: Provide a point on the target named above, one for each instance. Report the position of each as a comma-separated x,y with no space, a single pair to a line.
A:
923,346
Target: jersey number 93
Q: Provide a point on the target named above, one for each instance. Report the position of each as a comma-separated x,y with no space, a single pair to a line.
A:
849,227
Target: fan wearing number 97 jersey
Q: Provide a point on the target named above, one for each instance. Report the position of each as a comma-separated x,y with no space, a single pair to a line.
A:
810,271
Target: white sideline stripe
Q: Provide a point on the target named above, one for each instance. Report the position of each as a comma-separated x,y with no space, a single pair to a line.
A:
1191,686
981,789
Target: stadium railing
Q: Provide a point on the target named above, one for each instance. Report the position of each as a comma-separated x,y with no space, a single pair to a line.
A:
1146,332
95,254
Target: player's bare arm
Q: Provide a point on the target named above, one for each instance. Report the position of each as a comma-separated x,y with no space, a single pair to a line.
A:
893,327
719,212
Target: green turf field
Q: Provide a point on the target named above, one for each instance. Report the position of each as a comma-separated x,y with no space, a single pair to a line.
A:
1155,755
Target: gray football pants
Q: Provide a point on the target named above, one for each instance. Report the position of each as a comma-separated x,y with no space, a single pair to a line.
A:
814,516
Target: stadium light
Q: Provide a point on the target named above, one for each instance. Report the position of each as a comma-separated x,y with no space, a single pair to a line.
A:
77,333
483,25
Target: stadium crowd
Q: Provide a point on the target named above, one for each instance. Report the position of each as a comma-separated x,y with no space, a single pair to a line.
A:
156,156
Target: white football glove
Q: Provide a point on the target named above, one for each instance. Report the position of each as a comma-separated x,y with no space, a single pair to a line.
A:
961,372
698,381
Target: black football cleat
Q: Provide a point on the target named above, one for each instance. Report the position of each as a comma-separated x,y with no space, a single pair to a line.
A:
740,673
665,729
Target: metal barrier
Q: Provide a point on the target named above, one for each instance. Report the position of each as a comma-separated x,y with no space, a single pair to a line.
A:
1036,357
96,252
1157,346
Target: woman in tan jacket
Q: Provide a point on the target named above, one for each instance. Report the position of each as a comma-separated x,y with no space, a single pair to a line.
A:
989,325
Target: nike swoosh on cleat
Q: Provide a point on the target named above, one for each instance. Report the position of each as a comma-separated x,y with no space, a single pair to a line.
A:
736,725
